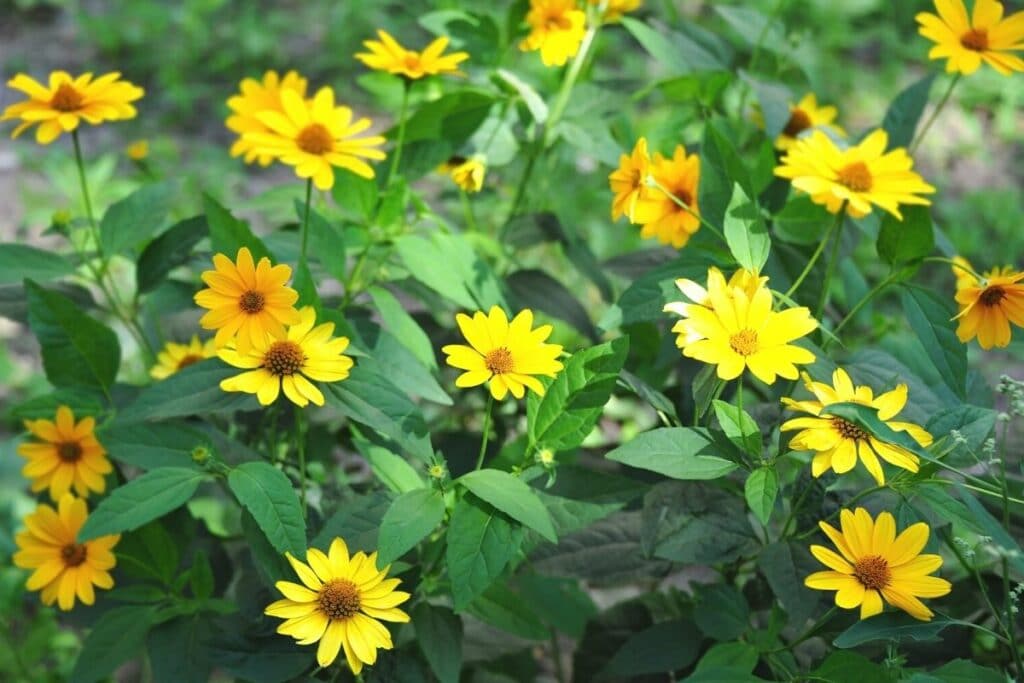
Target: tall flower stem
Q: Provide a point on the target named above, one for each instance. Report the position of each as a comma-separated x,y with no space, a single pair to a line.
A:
304,237
467,210
686,207
88,202
875,291
817,252
935,114
830,269
400,140
487,431
300,446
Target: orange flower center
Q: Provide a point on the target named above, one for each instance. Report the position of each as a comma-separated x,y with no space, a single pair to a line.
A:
873,572
744,342
412,61
252,302
976,39
73,554
188,360
798,122
499,361
557,22
992,296
69,451
315,139
284,358
339,599
848,430
855,176
66,98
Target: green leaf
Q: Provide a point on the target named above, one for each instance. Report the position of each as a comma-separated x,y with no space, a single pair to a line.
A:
668,646
802,221
149,552
439,637
388,357
760,490
745,231
722,612
355,193
392,470
901,242
513,497
200,578
676,51
453,117
842,665
481,542
78,351
534,102
411,517
573,402
502,608
965,671
81,401
20,261
676,452
721,167
448,265
228,234
905,111
931,320
267,494
326,241
892,626
194,390
774,99
114,639
142,500
778,563
949,509
534,288
136,217
305,286
403,326
169,251
150,446
695,523
993,528
357,520
179,650
739,427
271,565
560,602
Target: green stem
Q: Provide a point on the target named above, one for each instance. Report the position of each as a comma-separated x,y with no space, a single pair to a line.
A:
487,431
856,308
970,569
739,393
830,269
85,198
467,210
817,252
686,207
847,505
300,445
955,264
304,238
1011,626
400,140
350,282
809,633
935,114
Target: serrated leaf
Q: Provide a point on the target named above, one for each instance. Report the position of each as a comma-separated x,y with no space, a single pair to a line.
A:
513,497
411,517
761,489
892,626
142,500
269,497
114,639
150,446
931,320
676,452
504,609
739,427
20,261
194,390
481,542
168,251
136,217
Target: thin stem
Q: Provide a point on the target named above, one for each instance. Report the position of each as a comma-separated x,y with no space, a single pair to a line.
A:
1011,626
467,210
686,207
970,569
304,238
739,393
350,282
487,431
400,140
556,654
809,633
935,114
85,198
830,269
856,308
956,264
817,252
300,444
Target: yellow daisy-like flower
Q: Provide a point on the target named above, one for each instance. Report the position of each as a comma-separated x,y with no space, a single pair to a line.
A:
987,307
804,115
254,97
966,43
66,101
873,564
387,55
615,9
315,136
744,280
247,301
556,29
288,360
629,181
64,568
176,356
861,175
467,173
659,214
65,455
963,272
735,331
340,603
138,150
837,443
506,354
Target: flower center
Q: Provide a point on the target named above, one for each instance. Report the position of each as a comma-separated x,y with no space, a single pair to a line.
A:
855,176
251,302
499,361
798,122
66,98
189,360
992,296
976,39
315,139
744,342
73,554
872,572
412,61
69,451
339,599
848,430
558,22
284,358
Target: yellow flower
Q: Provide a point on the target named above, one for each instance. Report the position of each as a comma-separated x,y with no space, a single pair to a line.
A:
735,330
64,568
65,456
837,443
742,279
138,150
987,307
874,563
506,354
629,181
255,97
966,43
556,29
340,603
804,115
387,55
614,9
963,272
660,215
315,136
176,356
466,173
247,301
62,104
861,175
288,360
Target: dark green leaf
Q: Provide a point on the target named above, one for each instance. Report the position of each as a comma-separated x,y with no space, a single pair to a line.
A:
533,288
200,578
842,665
326,241
892,626
745,231
114,639
148,552
722,612
905,111
500,607
695,523
677,52
993,528
194,390
964,671
562,603
677,452
739,427
774,99
668,646
778,563
168,251
228,234
387,356
931,320
439,637
908,240
150,446
179,650
481,542
357,520
761,490
20,261
802,221
81,401
267,494
411,517
136,217
513,497
721,167
142,500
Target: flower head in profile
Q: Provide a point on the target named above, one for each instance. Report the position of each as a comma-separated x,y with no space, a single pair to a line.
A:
662,215
507,355
967,42
556,29
65,101
837,443
629,181
387,55
287,360
874,564
64,568
467,173
803,116
175,356
64,455
340,603
247,301
737,330
257,96
138,150
615,9
860,176
316,136
988,305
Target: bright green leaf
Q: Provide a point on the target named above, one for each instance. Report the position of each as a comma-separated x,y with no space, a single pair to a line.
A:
745,231
169,251
269,497
676,452
115,638
513,497
738,426
411,517
142,500
20,261
908,240
761,489
481,542
136,217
